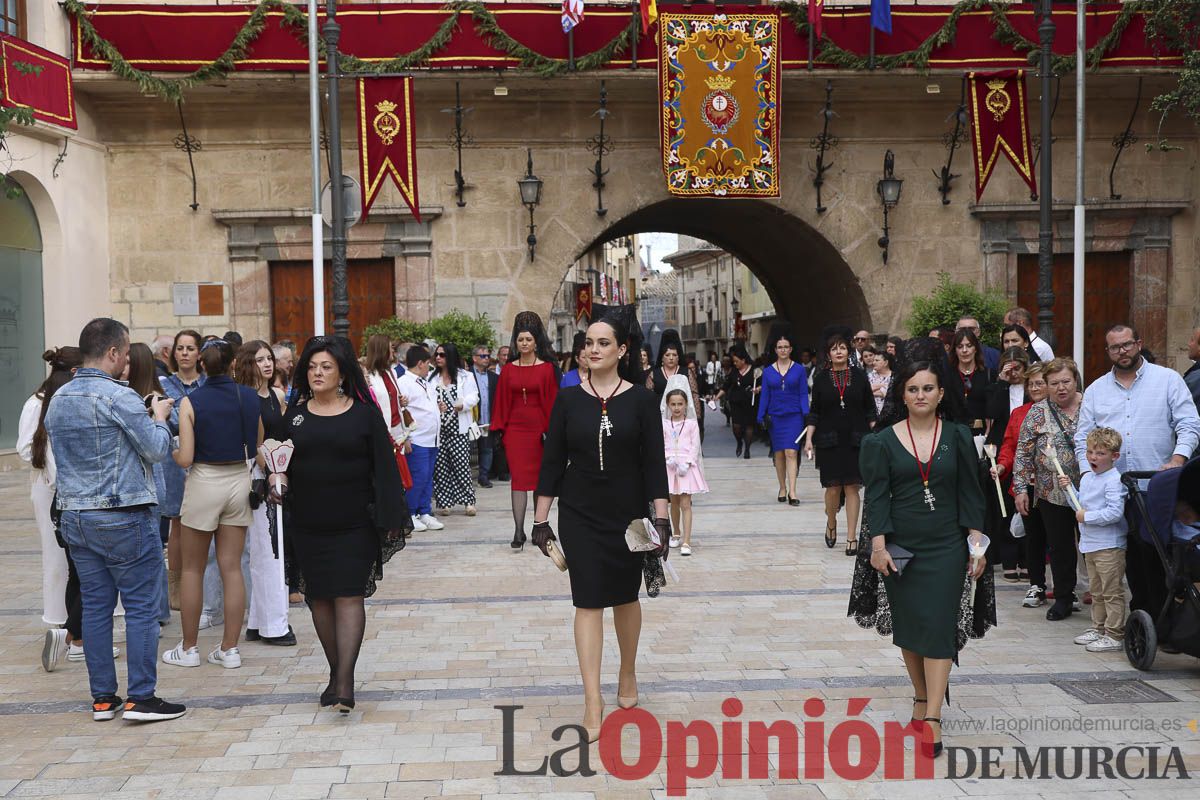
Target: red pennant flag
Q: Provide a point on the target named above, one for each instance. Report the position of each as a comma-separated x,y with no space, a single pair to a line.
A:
583,301
815,9
1000,124
386,139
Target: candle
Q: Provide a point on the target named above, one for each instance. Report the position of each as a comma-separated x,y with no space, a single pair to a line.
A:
1053,456
990,450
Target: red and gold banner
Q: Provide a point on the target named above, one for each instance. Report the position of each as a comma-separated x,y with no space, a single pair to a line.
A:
34,78
386,140
718,75
1000,124
583,301
181,38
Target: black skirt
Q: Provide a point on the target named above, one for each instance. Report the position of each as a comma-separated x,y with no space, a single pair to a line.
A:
335,563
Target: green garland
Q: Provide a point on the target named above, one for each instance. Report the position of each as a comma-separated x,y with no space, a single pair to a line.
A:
918,58
486,23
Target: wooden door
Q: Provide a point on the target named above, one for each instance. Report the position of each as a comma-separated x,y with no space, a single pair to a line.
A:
1105,302
371,285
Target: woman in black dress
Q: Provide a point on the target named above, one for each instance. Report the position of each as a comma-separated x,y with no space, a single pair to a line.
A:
344,500
604,461
841,413
738,392
971,381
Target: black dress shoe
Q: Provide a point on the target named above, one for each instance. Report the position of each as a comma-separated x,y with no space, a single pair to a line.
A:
329,696
344,705
286,640
485,484
1060,610
252,635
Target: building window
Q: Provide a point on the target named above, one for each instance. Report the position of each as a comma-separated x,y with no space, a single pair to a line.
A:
12,17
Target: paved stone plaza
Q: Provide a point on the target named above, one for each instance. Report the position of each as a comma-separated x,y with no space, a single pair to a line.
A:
461,624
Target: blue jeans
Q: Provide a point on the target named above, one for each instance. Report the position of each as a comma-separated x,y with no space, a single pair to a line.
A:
420,464
484,444
118,551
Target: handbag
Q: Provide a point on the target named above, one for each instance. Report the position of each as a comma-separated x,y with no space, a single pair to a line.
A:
556,556
641,536
900,557
475,432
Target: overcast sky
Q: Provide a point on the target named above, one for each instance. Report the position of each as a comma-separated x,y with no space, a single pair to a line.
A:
661,244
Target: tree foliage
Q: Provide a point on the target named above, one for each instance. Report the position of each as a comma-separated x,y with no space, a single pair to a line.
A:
951,301
464,331
1173,26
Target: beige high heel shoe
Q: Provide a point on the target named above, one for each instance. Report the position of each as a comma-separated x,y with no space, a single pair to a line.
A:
593,734
626,701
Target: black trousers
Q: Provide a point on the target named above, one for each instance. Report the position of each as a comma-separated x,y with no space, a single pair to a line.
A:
1005,548
1062,535
74,624
1035,546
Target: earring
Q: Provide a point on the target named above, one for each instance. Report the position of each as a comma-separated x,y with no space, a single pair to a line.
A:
341,392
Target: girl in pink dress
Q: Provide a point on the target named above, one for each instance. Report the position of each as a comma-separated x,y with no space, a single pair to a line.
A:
685,470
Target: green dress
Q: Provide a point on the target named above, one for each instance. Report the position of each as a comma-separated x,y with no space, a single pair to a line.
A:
925,601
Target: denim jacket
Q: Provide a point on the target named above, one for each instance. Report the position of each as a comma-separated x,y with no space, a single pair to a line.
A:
104,443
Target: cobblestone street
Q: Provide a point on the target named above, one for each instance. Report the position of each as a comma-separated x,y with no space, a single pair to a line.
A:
461,624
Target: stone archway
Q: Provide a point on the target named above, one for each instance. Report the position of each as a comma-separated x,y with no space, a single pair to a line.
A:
806,277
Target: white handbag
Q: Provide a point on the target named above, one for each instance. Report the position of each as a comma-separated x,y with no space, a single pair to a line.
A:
475,432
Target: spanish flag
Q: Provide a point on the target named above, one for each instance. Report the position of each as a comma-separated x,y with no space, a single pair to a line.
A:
649,13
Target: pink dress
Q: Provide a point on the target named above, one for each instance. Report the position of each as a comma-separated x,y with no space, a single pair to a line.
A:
682,443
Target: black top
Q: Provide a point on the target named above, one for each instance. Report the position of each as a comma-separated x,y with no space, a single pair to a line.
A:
834,425
635,469
973,390
343,468
272,417
739,388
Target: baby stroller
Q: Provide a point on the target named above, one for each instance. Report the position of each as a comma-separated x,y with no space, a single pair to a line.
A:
1177,626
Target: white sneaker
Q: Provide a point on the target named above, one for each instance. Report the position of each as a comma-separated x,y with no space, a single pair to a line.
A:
1105,644
75,652
432,522
674,541
182,658
55,648
1088,636
685,550
229,659
210,622
418,526
1036,596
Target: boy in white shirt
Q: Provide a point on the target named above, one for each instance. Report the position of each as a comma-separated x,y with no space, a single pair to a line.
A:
1102,539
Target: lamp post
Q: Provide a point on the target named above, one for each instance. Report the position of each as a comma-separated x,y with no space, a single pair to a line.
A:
888,188
1045,287
331,32
531,195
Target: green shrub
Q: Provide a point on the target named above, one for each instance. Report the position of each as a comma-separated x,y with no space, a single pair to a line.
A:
464,331
951,301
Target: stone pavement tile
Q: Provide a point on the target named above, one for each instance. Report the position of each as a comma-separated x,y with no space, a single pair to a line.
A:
245,793
57,788
302,791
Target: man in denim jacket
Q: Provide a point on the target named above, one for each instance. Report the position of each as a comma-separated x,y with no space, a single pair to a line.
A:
104,444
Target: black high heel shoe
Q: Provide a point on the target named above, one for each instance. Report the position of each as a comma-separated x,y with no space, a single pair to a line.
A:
782,498
345,705
329,696
793,501
932,749
518,542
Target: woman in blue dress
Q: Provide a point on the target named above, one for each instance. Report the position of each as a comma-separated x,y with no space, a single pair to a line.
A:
784,400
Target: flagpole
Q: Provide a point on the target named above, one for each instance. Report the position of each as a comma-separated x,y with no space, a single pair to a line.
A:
811,46
314,124
871,47
571,49
1078,277
637,30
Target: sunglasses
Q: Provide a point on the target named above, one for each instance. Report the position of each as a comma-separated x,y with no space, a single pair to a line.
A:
440,355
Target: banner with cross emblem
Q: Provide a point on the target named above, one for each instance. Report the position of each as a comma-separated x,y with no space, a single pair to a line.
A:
1000,124
719,117
386,139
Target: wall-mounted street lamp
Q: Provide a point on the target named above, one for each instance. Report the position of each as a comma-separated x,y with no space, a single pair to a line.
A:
889,193
531,195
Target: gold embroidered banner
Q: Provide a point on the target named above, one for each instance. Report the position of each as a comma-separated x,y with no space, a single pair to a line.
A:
1000,124
719,86
386,140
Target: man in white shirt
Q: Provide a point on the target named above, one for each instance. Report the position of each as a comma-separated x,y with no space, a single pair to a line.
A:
1152,409
426,412
1020,316
501,359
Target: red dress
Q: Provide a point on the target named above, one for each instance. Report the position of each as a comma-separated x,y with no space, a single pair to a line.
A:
524,397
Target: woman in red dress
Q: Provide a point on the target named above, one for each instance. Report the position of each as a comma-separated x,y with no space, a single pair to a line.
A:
524,396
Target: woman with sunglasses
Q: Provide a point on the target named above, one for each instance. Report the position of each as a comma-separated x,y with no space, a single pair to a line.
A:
452,484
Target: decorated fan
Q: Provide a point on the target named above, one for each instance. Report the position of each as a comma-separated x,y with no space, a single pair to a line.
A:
278,455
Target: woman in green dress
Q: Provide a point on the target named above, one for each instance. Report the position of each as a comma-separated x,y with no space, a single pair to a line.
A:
922,492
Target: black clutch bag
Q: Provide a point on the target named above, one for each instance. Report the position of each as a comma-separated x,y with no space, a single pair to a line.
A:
900,557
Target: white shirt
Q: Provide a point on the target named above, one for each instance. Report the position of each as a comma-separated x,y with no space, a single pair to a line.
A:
378,386
422,404
468,396
31,412
1043,350
1016,396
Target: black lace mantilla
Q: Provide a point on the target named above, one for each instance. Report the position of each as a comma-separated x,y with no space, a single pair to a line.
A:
870,608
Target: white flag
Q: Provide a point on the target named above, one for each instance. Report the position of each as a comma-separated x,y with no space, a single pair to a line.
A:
572,14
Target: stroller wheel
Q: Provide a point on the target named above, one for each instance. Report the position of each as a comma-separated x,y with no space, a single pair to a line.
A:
1141,640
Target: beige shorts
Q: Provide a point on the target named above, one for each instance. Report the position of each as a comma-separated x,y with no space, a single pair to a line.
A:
215,495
